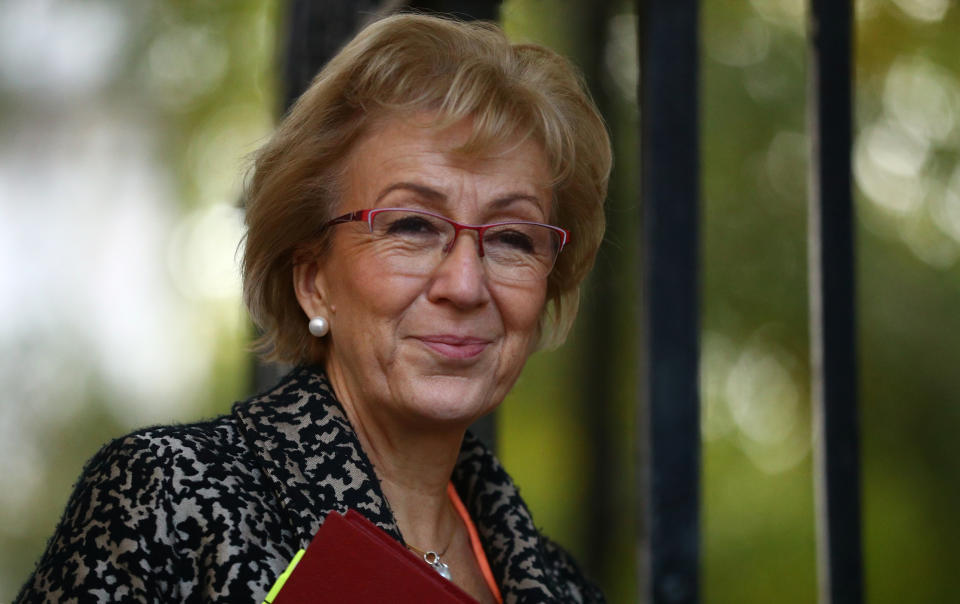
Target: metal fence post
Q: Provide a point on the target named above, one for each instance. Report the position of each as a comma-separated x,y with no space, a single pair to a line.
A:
832,314
668,96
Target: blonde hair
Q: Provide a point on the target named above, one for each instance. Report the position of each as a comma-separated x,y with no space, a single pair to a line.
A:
403,65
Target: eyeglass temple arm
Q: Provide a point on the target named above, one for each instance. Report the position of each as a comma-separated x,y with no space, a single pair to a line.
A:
351,217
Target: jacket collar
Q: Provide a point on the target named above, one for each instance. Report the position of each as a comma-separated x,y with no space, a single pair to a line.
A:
311,455
315,463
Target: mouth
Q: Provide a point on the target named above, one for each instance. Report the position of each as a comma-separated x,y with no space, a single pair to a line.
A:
455,347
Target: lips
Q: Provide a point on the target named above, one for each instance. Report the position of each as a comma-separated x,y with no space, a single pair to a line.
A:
455,347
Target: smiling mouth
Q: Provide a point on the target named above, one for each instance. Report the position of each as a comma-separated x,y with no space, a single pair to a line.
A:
455,347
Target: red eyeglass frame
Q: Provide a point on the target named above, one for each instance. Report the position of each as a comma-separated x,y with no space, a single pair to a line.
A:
368,215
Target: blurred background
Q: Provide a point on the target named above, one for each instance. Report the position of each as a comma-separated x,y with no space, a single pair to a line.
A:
125,132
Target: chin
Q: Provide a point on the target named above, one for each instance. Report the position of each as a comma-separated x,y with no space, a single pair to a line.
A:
451,400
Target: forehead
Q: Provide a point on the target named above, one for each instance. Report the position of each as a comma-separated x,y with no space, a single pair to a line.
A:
413,150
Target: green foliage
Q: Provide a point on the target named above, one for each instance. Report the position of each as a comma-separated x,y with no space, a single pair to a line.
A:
197,77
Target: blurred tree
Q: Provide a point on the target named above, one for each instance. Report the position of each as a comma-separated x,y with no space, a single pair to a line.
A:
125,126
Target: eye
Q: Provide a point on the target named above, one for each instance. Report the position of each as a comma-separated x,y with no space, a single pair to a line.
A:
511,239
410,225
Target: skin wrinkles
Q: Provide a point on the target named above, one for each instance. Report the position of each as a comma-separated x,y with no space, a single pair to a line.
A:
415,360
437,201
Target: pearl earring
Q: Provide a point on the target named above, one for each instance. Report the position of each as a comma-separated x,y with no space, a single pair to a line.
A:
319,327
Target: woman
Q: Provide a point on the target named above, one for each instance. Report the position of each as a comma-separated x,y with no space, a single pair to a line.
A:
418,225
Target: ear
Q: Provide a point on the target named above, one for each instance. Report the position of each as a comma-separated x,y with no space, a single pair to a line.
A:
311,289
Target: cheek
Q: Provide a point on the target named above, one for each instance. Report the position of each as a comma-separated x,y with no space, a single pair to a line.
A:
364,296
521,312
378,299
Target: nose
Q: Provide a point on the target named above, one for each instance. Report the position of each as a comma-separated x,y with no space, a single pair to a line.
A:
460,278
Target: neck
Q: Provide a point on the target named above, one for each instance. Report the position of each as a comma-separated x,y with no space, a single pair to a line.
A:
414,474
414,465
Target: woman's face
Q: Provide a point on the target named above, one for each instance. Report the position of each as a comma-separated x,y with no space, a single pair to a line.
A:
443,348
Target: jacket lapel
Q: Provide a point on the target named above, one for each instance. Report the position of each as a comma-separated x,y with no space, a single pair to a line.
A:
311,455
511,541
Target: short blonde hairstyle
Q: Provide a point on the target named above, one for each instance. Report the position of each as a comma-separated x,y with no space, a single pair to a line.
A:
400,66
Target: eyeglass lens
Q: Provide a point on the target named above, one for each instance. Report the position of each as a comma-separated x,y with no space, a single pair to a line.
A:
415,243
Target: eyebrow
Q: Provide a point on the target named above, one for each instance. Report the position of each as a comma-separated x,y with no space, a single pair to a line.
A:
431,194
439,199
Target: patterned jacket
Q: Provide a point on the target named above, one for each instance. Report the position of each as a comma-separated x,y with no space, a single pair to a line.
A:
214,511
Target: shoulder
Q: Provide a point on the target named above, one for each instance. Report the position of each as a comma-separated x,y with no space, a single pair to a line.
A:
567,573
132,473
162,445
150,511
155,462
116,524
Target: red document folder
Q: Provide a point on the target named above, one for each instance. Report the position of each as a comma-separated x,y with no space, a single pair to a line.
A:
351,560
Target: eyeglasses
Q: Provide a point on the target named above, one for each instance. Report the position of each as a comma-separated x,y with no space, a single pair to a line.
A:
414,242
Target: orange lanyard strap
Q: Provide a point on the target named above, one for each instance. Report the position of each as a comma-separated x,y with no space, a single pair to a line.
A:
478,552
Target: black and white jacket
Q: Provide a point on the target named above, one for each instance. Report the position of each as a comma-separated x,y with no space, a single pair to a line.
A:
214,511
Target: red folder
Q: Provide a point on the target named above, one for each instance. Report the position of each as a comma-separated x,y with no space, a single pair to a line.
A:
351,560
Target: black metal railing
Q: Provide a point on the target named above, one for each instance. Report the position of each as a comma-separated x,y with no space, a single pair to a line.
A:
832,292
670,404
